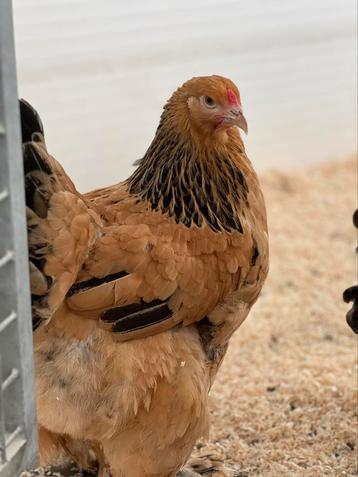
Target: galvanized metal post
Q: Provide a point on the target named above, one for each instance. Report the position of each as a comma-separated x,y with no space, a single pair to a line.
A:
18,434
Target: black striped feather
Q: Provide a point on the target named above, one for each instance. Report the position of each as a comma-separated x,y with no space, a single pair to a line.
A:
191,186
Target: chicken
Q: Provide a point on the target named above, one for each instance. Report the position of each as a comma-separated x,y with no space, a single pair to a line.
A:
138,287
351,294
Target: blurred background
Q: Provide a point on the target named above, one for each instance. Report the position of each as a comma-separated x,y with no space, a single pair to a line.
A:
99,73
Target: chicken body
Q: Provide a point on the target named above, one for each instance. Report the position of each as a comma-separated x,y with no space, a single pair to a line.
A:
137,288
145,405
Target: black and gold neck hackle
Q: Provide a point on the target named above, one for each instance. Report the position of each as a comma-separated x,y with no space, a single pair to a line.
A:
190,184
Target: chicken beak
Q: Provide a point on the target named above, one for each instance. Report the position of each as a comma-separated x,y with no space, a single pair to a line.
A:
237,117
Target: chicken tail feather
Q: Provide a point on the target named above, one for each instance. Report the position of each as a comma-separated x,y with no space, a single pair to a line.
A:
30,121
61,229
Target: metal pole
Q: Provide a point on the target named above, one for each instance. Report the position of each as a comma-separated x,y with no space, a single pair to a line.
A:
18,430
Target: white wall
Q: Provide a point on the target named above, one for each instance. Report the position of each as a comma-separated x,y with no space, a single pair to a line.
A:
99,72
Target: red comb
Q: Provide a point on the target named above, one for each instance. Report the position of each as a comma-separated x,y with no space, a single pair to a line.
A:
232,98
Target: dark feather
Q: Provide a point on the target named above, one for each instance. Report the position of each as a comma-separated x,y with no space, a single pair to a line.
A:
30,121
176,180
137,316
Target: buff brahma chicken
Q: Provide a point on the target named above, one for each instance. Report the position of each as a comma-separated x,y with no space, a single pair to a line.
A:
138,287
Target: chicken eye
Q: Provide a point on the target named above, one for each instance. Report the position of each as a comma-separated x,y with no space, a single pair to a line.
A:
209,102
